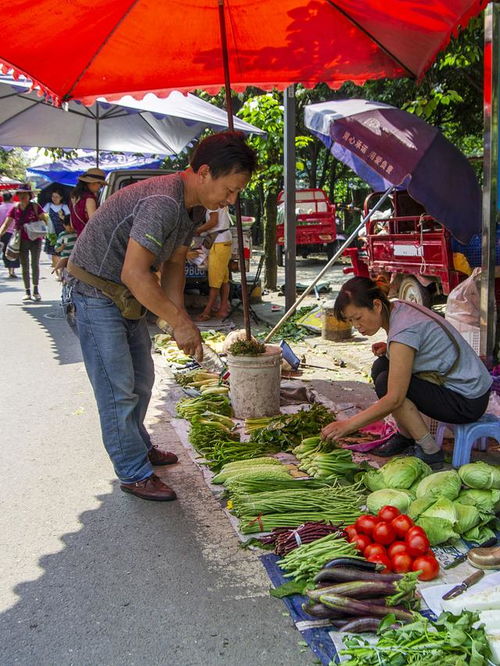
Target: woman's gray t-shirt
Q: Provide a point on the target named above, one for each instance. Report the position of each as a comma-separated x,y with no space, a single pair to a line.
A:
152,212
434,350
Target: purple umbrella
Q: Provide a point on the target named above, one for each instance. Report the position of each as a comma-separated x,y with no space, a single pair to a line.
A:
388,147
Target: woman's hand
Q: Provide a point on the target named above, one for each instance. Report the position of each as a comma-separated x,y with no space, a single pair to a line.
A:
379,348
337,429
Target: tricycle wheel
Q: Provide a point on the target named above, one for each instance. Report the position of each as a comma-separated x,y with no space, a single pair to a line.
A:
411,290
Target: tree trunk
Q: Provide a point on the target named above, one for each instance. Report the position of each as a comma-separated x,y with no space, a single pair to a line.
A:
270,216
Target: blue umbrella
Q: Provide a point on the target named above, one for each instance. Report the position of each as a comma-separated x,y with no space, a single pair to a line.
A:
388,147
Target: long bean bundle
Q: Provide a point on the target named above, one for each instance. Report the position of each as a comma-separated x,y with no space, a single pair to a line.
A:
249,486
345,500
269,521
303,563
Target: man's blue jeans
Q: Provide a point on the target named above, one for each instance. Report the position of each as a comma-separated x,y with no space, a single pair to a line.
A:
117,356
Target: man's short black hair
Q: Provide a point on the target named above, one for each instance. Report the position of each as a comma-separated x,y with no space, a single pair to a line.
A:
225,152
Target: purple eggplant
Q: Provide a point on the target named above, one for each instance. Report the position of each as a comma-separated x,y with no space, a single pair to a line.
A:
346,574
351,606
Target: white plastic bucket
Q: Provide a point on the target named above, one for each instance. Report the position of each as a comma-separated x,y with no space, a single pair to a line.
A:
254,383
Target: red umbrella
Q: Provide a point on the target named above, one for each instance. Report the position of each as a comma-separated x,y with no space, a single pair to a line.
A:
83,50
112,47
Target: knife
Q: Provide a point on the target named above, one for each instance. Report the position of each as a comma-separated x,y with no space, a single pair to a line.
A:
464,585
461,558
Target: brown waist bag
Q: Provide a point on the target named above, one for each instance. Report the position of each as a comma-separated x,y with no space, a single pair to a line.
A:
122,297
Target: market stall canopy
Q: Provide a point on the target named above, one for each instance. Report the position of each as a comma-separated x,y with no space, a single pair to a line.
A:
152,126
386,146
116,47
66,171
8,183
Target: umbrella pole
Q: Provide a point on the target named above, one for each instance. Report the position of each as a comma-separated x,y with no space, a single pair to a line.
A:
318,277
239,227
97,135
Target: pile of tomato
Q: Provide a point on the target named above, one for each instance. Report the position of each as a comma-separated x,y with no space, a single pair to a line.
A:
392,539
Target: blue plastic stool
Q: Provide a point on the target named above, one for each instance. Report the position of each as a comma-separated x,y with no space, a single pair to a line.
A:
467,434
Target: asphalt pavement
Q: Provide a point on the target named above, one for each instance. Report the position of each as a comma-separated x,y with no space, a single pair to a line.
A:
91,575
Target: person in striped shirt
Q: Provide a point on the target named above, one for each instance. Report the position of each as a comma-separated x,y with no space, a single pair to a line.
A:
65,240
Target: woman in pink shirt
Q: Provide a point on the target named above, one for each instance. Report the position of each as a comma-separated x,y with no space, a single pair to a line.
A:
5,209
22,213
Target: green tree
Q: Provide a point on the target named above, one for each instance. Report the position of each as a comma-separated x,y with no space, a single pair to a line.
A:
13,163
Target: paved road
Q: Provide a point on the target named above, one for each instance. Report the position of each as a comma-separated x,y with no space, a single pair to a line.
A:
91,575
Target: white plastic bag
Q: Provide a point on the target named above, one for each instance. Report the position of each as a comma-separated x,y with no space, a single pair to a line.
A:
36,229
462,306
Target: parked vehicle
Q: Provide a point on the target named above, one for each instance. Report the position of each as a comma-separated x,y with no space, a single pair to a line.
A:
409,247
316,228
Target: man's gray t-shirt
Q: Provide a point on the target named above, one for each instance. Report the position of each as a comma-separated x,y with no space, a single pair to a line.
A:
434,350
151,212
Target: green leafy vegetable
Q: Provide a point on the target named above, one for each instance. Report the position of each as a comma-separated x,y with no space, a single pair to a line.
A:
450,641
399,473
479,534
441,484
485,501
480,475
401,499
418,506
439,521
467,517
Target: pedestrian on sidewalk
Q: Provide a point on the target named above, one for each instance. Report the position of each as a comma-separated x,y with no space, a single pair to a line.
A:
25,212
5,208
139,230
83,201
57,211
217,229
426,367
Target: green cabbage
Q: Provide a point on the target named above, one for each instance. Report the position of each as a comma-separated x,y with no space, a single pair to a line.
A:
485,501
441,484
467,517
438,530
480,475
442,508
399,498
418,506
399,473
439,521
374,480
479,534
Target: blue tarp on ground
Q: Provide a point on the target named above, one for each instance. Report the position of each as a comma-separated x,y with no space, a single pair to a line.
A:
315,634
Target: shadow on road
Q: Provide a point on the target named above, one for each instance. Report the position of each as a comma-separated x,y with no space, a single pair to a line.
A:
50,317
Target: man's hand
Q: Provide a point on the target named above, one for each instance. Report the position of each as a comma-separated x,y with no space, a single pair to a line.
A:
337,430
188,339
379,348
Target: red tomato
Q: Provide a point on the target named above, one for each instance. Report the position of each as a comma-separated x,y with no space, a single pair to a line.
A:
396,548
381,559
388,513
383,533
350,530
401,524
361,541
428,565
365,524
401,563
415,530
374,549
418,544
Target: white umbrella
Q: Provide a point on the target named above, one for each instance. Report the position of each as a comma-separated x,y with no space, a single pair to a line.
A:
152,126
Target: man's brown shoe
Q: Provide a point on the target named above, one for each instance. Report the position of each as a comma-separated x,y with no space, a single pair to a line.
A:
157,457
151,488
